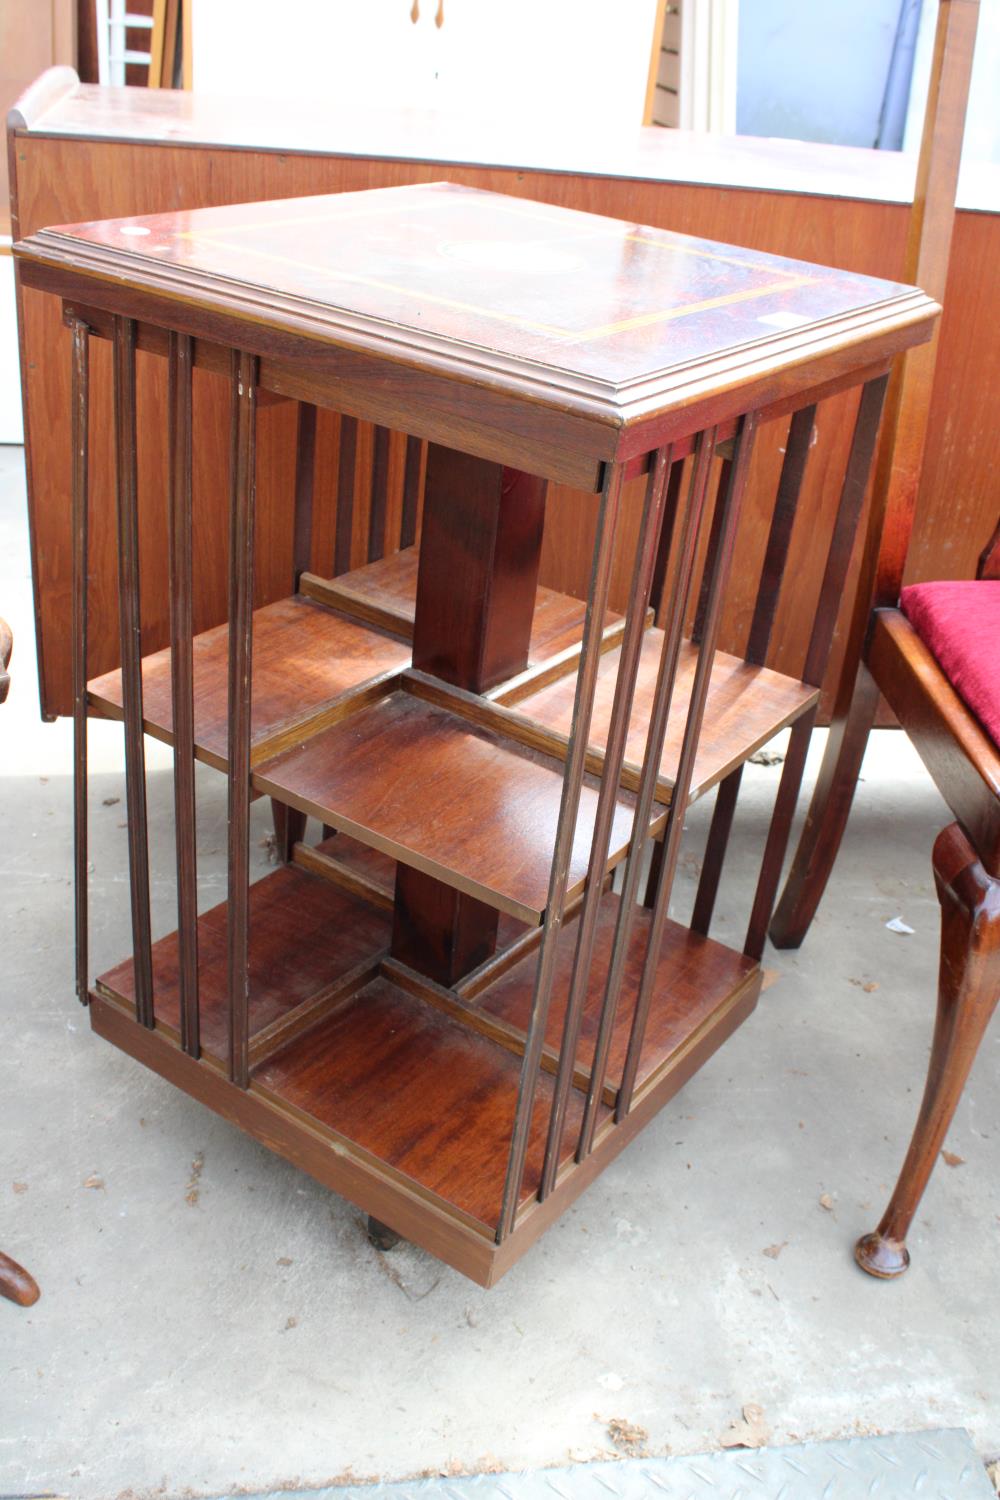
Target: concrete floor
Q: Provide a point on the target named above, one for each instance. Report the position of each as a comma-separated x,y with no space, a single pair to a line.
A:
211,1319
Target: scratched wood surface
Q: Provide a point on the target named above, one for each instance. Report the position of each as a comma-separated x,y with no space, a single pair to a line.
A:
608,300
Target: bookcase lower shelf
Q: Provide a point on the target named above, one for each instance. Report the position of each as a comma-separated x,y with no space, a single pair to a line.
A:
332,1017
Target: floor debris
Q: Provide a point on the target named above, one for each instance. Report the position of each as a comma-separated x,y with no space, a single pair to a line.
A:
193,1192
767,757
389,1271
750,1430
628,1437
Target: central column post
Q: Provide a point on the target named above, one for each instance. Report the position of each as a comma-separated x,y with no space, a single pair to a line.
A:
480,550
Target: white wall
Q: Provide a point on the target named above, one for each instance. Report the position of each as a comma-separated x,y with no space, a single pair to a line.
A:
537,63
982,122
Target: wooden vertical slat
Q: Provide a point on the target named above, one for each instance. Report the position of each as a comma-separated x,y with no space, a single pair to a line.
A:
797,446
241,572
305,475
666,540
576,756
131,655
778,834
715,851
415,455
171,38
81,518
730,504
852,495
711,555
614,756
838,558
179,418
157,43
378,495
662,694
793,468
346,463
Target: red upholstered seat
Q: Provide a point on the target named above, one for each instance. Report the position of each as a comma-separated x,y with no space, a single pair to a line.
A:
960,625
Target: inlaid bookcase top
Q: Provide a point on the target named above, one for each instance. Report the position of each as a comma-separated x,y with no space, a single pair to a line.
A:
461,997
620,334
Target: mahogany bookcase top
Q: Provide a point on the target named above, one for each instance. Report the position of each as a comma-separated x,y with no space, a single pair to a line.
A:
638,334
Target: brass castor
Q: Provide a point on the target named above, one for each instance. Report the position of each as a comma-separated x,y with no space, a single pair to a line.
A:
381,1236
880,1257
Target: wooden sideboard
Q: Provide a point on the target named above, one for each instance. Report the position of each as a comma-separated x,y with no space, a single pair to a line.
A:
81,152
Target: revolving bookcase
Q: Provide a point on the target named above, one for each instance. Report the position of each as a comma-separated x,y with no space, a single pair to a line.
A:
460,1003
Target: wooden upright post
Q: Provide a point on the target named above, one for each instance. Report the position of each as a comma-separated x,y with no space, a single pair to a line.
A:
480,549
897,473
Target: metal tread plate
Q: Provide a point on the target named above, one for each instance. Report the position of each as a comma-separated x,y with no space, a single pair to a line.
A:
939,1464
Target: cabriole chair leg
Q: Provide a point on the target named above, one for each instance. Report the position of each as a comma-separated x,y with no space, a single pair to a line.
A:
968,990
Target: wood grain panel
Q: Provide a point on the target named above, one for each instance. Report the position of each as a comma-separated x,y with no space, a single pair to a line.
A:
403,776
746,706
694,977
421,1092
615,320
305,937
959,497
306,660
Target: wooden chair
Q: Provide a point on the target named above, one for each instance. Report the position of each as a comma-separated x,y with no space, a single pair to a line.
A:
937,660
919,656
897,475
15,1282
